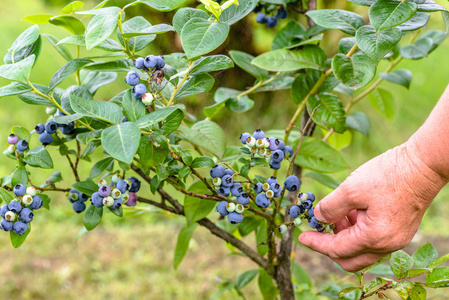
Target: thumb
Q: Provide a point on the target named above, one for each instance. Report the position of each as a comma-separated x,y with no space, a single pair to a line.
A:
335,206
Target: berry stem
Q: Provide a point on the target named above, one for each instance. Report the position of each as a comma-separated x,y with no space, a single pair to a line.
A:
125,40
178,87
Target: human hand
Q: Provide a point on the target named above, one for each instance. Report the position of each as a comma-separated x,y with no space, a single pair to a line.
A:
376,210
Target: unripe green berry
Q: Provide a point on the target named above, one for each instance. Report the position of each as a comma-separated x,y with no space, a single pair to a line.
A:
298,221
116,178
9,150
260,143
216,181
230,207
31,190
269,193
283,229
10,216
74,196
254,150
50,110
266,186
116,193
27,199
147,98
102,182
251,142
108,201
303,197
239,208
266,143
125,196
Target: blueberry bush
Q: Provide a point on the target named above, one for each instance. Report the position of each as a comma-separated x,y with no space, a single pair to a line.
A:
188,167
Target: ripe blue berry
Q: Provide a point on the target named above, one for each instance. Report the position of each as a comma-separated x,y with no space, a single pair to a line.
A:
311,212
19,227
45,139
307,204
275,187
122,186
5,225
105,190
97,200
258,8
243,199
310,196
292,183
272,21
40,128
132,199
221,208
160,62
227,181
235,217
150,61
22,145
37,202
244,137
303,197
26,215
67,129
135,184
139,90
20,190
313,222
281,145
277,156
271,180
139,63
3,210
12,139
260,18
132,78
275,165
51,127
282,13
288,151
259,134
117,203
258,188
320,228
229,172
217,171
274,143
78,206
294,211
262,200
224,191
236,189
83,197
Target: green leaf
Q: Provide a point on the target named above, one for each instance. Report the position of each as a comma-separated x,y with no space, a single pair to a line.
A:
248,225
38,18
19,71
439,261
243,60
403,288
429,6
100,28
161,5
424,256
121,141
158,116
437,37
438,276
68,69
92,80
382,100
355,71
376,45
39,157
301,275
172,122
100,166
86,136
150,30
20,176
184,14
207,135
418,293
133,108
72,7
330,113
196,209
15,88
203,162
22,133
237,12
348,290
363,2
379,262
60,48
304,83
245,278
324,179
345,44
106,111
87,187
419,49
55,177
110,66
182,244
211,63
309,57
92,217
117,211
419,20
80,40
17,240
400,263
198,84
359,121
445,16
135,26
200,36
26,44
318,156
346,21
266,285
400,76
153,150
231,99
69,23
385,14
293,30
5,196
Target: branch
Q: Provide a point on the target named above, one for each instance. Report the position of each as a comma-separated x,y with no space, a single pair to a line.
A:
75,172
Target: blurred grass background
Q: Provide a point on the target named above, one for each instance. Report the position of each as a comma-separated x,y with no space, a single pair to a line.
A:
131,258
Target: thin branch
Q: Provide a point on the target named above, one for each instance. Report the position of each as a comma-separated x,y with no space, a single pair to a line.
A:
75,172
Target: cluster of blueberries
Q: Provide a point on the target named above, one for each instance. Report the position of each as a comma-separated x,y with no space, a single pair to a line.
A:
19,212
46,130
303,209
267,191
119,192
263,147
13,140
150,64
271,16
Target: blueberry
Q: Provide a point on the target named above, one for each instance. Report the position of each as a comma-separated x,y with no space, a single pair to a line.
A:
278,193
243,199
227,181
229,172
277,156
13,139
244,137
5,225
10,216
275,187
313,222
258,8
45,139
283,229
236,189
20,190
292,183
122,186
307,204
294,211
105,190
311,212
310,196
22,145
320,228
272,180
281,145
97,200
150,61
216,181
251,142
217,171
26,215
132,78
132,200
139,90
50,110
124,120
221,208
67,129
117,203
259,134
262,200
51,127
303,197
272,21
3,210
116,194
230,206
19,227
235,217
135,184
275,165
239,208
78,206
40,128
83,197
101,182
37,202
139,63
269,193
27,200
288,151
282,13
31,190
224,191
258,188
160,62
260,18
116,178
147,98
274,143
297,221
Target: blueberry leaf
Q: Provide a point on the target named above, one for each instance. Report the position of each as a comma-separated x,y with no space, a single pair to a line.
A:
400,263
211,63
346,21
39,157
158,116
105,111
25,45
243,60
87,187
424,256
266,285
60,48
153,150
5,196
207,135
68,69
182,244
359,121
376,45
419,49
184,14
101,27
235,13
69,23
133,108
92,217
18,240
245,277
195,208
385,14
355,71
330,113
400,76
382,100
121,141
20,176
19,71
161,5
101,166
197,84
203,162
136,25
